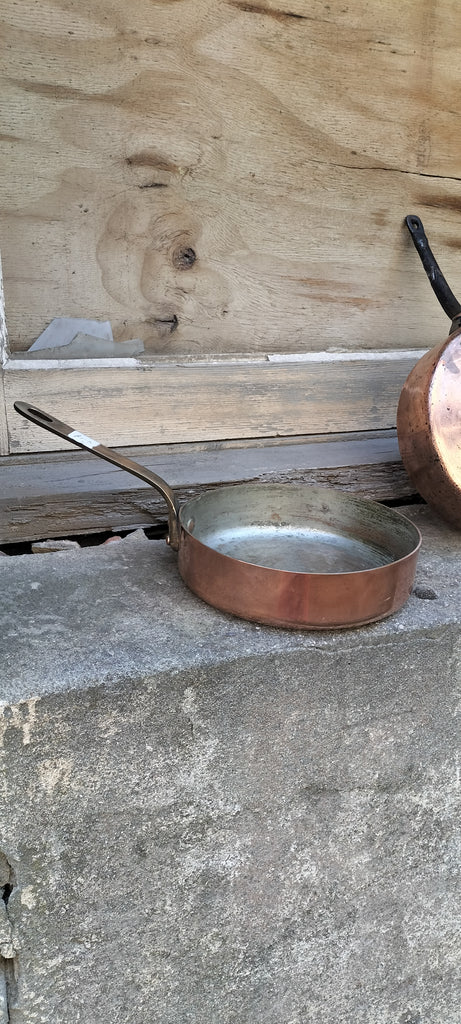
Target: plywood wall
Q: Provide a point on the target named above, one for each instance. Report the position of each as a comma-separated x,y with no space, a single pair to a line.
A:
229,175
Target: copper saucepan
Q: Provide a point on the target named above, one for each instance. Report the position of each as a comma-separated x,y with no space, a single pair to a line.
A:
294,556
429,411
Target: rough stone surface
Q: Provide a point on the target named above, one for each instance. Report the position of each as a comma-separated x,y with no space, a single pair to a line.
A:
210,821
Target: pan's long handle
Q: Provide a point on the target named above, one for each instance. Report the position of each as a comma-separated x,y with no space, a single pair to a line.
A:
448,301
44,419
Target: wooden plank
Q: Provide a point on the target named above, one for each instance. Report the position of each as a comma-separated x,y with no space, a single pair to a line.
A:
163,403
3,421
72,493
223,176
3,356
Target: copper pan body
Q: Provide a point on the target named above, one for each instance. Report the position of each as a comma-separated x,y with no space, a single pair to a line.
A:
429,427
331,560
295,556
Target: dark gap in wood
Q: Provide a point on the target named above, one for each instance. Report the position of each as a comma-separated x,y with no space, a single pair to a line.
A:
412,499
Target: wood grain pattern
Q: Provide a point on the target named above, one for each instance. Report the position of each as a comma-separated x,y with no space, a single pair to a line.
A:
4,446
155,403
229,175
73,493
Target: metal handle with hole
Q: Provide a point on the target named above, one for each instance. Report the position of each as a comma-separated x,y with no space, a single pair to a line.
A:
55,426
448,301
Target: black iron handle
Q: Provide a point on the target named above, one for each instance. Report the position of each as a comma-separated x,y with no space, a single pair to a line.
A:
448,301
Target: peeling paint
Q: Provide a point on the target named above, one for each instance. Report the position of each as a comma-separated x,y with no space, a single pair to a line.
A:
55,772
27,897
18,716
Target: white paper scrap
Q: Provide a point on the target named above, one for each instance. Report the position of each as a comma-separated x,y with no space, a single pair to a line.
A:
63,329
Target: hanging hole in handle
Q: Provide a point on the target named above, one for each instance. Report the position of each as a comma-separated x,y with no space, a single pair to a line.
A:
41,415
413,222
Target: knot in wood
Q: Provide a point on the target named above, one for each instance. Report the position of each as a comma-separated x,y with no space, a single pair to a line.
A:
184,258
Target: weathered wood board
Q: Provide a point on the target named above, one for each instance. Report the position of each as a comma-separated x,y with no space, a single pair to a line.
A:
230,175
73,493
204,401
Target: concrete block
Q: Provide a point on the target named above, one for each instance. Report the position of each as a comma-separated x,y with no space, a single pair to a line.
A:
210,821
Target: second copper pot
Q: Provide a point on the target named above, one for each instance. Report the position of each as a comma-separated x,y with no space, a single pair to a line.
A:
429,411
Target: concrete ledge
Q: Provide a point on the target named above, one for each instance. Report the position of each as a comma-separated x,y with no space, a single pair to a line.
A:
206,820
76,619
